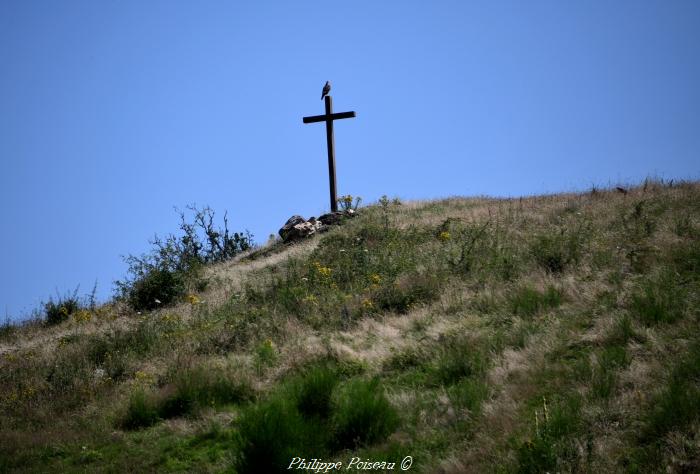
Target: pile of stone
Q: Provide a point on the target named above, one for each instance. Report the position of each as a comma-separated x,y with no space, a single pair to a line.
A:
297,228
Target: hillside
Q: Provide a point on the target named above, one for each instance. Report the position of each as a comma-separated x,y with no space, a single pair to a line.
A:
551,333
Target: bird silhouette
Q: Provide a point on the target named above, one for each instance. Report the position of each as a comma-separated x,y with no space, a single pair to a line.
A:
326,89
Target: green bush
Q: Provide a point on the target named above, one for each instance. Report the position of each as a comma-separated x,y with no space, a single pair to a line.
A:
198,387
61,309
314,390
362,414
142,411
158,287
469,393
174,264
272,433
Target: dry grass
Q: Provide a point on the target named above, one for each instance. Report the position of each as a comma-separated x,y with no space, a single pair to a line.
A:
609,246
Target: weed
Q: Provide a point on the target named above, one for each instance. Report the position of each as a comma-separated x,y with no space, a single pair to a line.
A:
469,393
554,252
610,360
200,387
458,358
527,301
191,390
552,447
660,300
407,292
622,332
679,404
265,355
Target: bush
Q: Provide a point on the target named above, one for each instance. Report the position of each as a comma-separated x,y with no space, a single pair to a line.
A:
163,275
141,411
313,391
274,432
157,287
59,310
362,414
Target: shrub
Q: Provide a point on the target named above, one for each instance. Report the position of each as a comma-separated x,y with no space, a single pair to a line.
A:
141,411
272,433
313,391
158,287
174,263
469,393
362,414
59,310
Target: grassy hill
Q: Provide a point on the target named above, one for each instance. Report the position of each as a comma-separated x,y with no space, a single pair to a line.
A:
550,333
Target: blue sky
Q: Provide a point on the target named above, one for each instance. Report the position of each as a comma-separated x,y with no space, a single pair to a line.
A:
113,112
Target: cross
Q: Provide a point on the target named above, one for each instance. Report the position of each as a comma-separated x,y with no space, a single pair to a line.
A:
328,117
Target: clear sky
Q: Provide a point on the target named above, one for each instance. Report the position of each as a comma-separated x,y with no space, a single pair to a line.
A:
113,112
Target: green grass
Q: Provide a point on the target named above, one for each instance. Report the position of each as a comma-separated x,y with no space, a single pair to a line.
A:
190,391
312,416
527,301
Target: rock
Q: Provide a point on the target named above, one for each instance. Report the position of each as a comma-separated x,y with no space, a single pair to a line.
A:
289,226
332,218
297,228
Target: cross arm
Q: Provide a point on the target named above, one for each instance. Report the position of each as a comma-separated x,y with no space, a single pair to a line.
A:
323,118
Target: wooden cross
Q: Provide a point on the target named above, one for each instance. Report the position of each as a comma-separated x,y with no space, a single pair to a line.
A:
328,117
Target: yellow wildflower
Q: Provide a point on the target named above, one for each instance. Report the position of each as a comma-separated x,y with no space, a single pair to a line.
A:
321,270
376,279
311,299
367,304
444,235
193,299
141,375
82,316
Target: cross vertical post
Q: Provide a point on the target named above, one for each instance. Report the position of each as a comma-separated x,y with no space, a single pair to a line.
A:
329,117
330,140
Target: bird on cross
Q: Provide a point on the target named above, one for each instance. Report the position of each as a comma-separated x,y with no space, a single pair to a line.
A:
326,89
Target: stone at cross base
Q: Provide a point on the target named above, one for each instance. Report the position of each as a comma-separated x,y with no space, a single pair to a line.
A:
298,228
